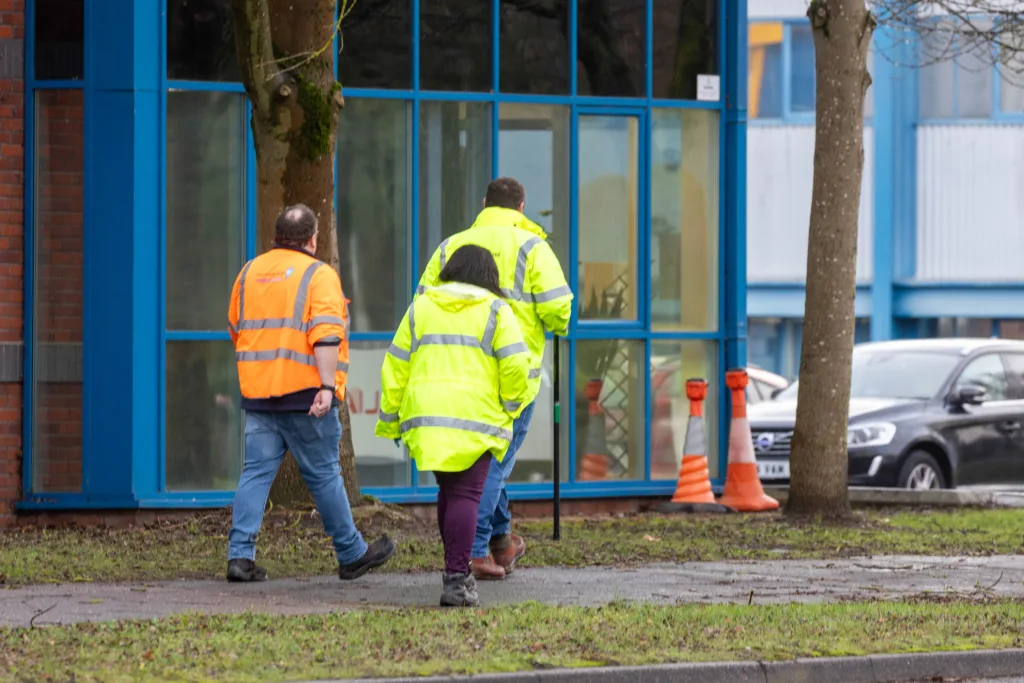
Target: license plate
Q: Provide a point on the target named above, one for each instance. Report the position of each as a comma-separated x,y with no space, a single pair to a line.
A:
773,470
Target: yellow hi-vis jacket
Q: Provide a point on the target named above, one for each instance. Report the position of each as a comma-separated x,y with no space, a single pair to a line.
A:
530,276
454,378
284,303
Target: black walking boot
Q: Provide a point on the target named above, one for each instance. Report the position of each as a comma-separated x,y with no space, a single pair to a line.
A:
243,571
379,552
459,591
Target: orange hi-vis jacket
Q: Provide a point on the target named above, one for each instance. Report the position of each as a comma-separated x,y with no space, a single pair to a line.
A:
284,303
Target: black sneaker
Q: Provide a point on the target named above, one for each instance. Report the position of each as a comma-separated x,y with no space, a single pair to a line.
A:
379,552
242,571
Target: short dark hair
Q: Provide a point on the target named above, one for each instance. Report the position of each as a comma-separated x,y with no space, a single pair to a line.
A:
508,193
295,226
473,265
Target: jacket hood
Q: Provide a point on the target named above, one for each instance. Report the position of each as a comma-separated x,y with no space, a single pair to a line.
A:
496,216
457,296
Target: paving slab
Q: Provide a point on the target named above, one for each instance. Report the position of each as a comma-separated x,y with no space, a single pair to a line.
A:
762,582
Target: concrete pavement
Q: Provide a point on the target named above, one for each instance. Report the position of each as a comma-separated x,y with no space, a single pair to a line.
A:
758,582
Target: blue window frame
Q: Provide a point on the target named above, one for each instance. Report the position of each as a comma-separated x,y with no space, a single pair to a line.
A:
570,119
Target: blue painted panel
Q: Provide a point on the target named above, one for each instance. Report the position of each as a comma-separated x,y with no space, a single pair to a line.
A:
995,300
884,189
785,300
123,38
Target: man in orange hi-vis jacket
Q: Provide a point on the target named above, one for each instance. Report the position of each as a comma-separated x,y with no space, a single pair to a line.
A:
289,321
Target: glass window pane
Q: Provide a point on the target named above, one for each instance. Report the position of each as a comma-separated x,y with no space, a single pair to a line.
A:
373,211
610,425
533,146
378,461
59,39
608,194
672,363
455,167
204,418
765,78
685,46
1011,73
376,46
455,45
684,220
611,49
936,78
205,206
974,80
201,41
764,343
535,47
802,87
57,296
985,372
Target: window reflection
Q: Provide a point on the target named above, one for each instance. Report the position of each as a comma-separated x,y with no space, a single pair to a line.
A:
685,46
535,47
455,167
455,45
608,198
378,461
533,146
765,78
201,41
610,384
205,206
373,211
672,364
611,48
684,219
376,46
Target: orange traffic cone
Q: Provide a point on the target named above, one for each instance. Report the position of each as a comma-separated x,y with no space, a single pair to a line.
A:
594,465
693,490
743,489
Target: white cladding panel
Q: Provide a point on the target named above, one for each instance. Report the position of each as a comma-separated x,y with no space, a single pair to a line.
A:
970,203
780,172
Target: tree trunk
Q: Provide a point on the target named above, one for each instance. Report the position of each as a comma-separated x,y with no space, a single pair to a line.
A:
842,35
286,56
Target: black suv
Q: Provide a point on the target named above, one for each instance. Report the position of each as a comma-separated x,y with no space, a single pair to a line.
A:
924,414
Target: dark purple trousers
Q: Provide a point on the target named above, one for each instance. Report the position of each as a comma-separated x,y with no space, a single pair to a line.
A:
458,500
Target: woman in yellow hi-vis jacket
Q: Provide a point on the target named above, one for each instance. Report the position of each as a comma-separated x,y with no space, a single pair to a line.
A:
453,381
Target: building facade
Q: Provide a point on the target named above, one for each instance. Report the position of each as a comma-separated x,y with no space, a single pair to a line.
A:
127,207
942,213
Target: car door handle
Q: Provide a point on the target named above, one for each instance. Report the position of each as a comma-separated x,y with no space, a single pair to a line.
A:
1010,426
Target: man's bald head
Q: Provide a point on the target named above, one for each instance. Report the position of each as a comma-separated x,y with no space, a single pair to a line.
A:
295,226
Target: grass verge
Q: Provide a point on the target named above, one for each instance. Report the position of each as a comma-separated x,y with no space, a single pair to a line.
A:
293,544
431,642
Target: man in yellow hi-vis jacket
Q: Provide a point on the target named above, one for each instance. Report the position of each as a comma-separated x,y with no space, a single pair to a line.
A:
533,283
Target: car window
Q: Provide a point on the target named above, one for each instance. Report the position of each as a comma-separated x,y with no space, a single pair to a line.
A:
986,372
1015,368
900,374
754,393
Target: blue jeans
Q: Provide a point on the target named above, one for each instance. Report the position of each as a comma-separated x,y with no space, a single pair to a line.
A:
493,517
313,443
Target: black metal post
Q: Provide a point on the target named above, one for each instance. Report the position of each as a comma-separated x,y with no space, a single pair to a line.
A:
557,459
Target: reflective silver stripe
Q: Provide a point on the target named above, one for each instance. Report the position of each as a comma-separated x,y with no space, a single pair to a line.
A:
412,330
326,320
303,293
511,350
534,373
456,423
487,342
275,354
400,354
387,417
232,328
241,293
285,354
444,255
510,294
420,290
292,323
512,406
552,294
449,340
524,252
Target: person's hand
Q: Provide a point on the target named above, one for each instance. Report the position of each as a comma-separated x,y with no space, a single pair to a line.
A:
322,403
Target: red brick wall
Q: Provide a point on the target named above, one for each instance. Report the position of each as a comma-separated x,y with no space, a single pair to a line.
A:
57,395
12,164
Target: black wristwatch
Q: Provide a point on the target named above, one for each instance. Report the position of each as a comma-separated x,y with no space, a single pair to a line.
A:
324,387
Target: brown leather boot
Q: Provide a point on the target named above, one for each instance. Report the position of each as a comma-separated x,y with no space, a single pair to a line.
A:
486,569
507,550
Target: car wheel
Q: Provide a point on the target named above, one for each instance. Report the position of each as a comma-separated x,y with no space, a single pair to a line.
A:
921,471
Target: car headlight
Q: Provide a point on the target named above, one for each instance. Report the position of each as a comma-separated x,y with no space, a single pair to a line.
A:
875,434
